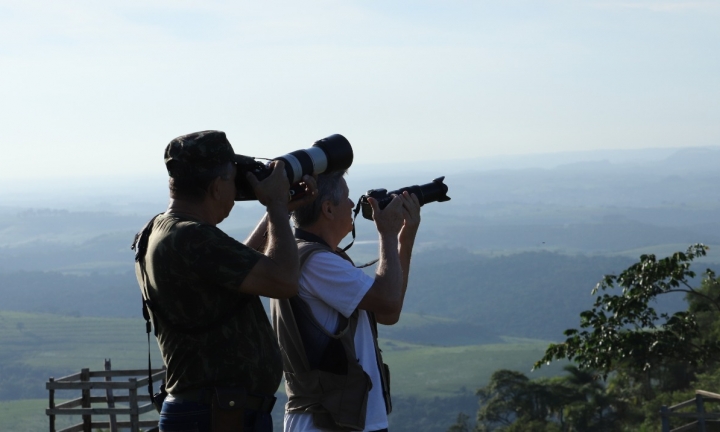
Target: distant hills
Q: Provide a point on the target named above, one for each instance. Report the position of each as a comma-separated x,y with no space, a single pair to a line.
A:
522,235
467,298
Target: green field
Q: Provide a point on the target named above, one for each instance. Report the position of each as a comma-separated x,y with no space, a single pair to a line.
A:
430,371
64,344
53,345
29,416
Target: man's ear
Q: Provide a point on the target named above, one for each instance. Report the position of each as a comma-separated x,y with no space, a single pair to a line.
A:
214,188
326,209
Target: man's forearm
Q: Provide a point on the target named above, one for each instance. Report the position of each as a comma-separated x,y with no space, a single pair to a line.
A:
258,237
389,271
405,248
281,246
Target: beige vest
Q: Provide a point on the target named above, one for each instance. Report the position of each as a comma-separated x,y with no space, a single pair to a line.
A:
334,389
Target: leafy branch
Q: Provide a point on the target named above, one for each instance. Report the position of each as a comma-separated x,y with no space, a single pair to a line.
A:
625,329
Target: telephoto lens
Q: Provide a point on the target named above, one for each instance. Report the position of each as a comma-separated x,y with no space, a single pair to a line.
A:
427,193
329,154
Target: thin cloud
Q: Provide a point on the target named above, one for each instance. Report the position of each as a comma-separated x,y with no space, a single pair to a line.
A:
677,6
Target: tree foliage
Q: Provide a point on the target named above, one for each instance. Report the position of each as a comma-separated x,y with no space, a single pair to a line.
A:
629,358
577,401
625,331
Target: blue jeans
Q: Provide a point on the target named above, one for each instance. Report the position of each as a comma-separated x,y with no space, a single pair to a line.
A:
197,417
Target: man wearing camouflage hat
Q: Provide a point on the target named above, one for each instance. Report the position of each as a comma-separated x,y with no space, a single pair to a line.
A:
202,288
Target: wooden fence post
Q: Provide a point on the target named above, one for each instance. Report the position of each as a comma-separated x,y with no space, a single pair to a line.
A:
700,405
665,418
110,398
87,419
51,405
134,415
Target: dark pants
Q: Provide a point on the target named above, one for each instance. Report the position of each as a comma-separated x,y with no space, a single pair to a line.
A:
197,417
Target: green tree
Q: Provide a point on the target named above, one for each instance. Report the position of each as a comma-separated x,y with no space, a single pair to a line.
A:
576,402
651,359
590,407
461,424
622,331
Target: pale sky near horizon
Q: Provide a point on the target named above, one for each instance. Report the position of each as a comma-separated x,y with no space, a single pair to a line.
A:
94,87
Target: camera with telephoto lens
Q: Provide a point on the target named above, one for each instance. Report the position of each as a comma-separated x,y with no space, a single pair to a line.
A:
333,153
427,193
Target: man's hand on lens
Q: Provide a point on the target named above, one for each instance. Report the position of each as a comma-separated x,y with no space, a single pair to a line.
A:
411,211
390,219
275,189
310,184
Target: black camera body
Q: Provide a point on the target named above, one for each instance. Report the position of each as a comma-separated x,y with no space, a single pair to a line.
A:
326,155
429,192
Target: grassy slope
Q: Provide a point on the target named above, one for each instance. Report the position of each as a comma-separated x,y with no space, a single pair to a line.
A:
429,371
61,344
29,416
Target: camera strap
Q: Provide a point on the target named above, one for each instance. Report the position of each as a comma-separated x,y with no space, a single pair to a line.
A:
140,247
356,211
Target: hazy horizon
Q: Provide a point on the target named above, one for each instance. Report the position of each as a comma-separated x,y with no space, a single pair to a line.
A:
662,187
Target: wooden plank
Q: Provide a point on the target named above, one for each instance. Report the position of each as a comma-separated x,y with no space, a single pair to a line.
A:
688,427
90,411
80,385
682,404
695,415
76,428
70,404
155,377
707,394
124,373
121,424
142,409
73,377
102,385
88,385
141,423
101,399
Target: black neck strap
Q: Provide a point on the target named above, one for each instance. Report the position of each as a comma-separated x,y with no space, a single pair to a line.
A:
301,234
356,211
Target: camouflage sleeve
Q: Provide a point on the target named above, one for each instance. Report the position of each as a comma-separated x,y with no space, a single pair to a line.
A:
218,258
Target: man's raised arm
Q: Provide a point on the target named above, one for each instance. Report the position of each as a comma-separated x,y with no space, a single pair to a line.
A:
276,275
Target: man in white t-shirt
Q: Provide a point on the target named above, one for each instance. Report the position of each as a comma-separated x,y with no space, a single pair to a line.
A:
340,298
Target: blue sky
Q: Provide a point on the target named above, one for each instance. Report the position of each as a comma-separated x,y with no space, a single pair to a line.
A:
94,87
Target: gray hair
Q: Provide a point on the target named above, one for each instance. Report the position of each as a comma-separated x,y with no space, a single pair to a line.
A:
328,189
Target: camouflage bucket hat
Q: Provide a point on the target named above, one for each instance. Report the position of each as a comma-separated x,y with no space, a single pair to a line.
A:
197,153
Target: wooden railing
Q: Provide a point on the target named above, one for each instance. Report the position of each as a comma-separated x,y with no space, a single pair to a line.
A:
701,417
121,399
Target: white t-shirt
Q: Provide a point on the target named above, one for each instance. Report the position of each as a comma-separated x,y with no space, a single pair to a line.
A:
329,284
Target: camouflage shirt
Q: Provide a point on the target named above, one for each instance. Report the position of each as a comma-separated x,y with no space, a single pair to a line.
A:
194,274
